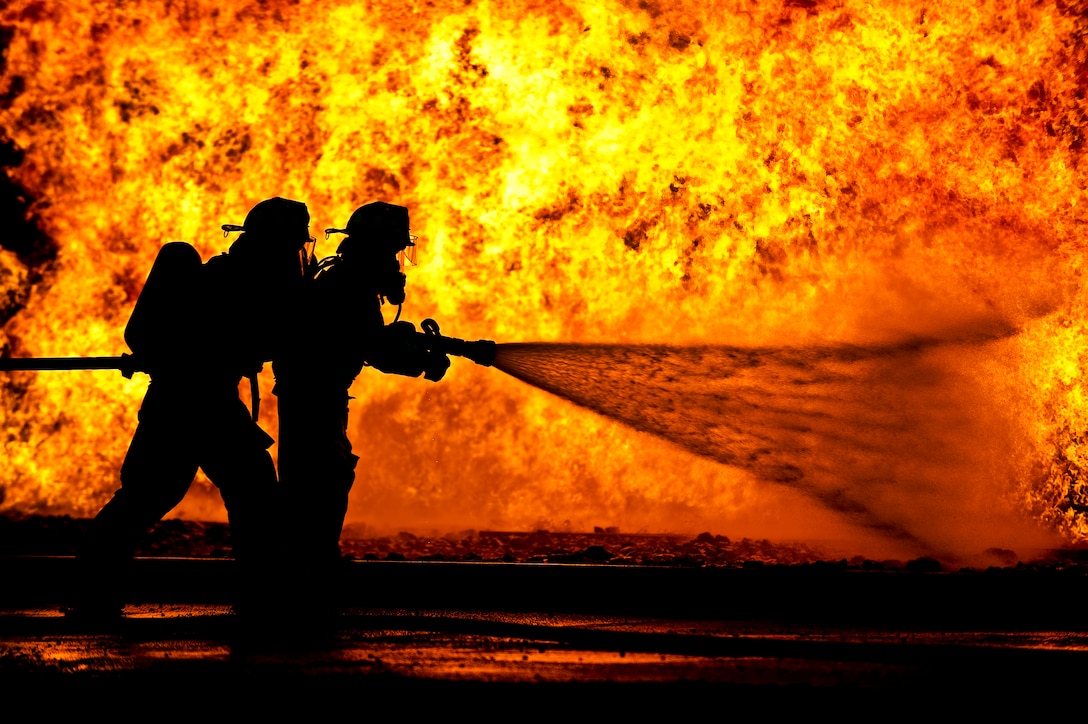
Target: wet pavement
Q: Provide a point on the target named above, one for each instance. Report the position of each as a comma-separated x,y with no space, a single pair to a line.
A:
551,638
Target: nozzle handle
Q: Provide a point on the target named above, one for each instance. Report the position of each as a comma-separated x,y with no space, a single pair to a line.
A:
482,351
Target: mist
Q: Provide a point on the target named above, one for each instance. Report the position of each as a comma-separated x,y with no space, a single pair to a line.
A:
903,439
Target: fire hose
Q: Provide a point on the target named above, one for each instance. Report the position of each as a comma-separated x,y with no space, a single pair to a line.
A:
482,352
403,336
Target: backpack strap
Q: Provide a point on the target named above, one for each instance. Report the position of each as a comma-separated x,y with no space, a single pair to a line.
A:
254,395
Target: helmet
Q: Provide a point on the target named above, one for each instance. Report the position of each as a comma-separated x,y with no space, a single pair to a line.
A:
276,218
376,224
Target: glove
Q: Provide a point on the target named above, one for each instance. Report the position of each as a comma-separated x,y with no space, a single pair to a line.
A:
435,366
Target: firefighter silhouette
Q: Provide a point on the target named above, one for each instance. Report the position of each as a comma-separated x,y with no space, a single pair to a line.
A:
197,329
343,331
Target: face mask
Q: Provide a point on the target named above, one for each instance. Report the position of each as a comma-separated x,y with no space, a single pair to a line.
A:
391,285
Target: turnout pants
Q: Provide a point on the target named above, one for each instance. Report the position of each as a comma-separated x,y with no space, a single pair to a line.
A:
181,429
317,470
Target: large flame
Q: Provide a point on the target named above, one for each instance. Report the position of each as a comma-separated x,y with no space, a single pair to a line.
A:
759,175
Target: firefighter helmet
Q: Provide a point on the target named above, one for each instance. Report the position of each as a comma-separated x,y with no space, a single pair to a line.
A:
377,224
273,217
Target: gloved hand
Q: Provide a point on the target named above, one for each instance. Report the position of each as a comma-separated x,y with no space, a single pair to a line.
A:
435,366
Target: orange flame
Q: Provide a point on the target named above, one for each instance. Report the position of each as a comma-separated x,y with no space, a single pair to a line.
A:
800,173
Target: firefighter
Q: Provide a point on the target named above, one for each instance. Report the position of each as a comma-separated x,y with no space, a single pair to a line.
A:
341,332
198,329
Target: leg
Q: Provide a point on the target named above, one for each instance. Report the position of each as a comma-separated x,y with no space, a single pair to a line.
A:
234,455
317,469
155,476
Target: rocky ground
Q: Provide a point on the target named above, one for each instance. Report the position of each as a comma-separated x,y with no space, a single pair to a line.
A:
59,535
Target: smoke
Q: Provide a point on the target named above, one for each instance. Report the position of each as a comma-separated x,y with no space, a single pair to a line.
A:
906,439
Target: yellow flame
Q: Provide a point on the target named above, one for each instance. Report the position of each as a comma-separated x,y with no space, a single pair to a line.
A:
576,171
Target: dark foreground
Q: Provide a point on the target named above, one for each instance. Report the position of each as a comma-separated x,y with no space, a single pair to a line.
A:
501,640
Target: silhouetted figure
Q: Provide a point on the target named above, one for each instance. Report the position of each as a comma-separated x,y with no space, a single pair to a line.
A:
342,331
197,329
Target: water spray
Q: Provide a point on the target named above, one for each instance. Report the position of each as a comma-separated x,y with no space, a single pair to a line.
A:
893,437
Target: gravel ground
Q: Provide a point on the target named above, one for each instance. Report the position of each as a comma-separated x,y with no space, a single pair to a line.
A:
59,536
